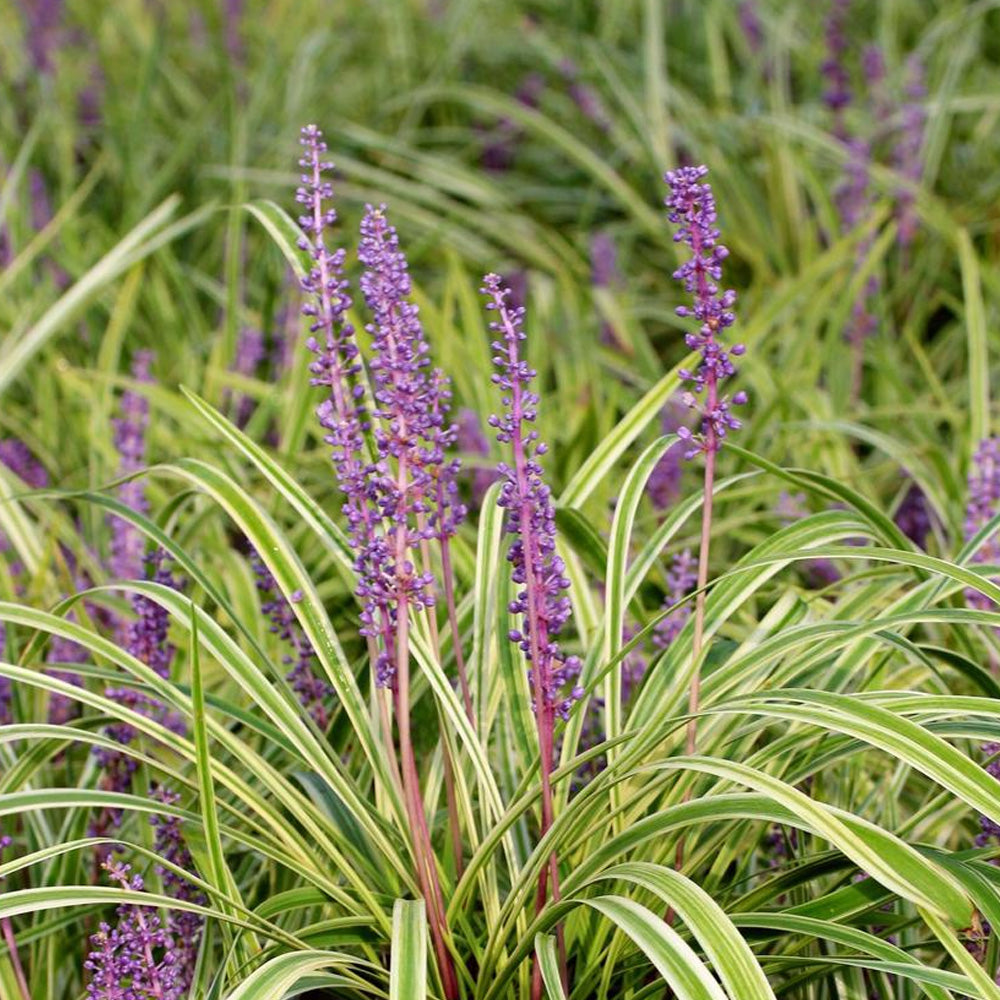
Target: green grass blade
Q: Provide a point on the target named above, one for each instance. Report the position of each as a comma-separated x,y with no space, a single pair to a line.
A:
408,973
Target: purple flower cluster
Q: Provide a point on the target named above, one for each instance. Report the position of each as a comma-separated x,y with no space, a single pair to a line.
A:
138,958
753,30
664,484
837,95
779,843
988,830
44,31
342,413
146,635
313,693
62,708
818,572
604,273
587,100
681,579
500,148
913,516
983,504
409,494
691,206
250,353
127,542
183,926
17,456
412,404
542,603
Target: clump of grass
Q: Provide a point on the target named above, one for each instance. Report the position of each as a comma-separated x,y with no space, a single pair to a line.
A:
367,737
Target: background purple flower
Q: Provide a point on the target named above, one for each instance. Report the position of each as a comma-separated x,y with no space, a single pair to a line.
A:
6,689
313,693
664,484
471,440
982,506
127,541
681,579
17,456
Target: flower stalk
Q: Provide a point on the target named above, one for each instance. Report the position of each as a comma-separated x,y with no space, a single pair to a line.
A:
691,208
537,569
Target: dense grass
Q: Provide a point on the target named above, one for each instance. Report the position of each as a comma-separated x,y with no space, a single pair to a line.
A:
842,719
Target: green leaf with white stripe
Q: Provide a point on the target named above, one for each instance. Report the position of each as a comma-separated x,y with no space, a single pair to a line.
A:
408,962
675,960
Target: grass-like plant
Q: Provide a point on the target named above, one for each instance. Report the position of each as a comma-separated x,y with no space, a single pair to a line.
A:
310,688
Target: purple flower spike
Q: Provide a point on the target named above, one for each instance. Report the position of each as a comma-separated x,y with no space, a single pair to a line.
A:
127,542
691,206
137,959
413,434
664,484
312,692
250,352
183,926
982,506
913,517
63,708
604,271
342,413
147,635
681,579
838,92
530,515
18,458
753,30
44,31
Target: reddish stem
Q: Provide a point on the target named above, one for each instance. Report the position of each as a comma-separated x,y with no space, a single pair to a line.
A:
15,958
449,596
427,874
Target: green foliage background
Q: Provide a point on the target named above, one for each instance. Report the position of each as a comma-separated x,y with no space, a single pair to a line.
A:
853,714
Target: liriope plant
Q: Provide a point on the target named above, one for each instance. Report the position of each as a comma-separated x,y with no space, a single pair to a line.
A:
337,788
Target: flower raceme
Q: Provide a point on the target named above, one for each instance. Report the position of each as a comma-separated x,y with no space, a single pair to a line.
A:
542,603
404,495
691,208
